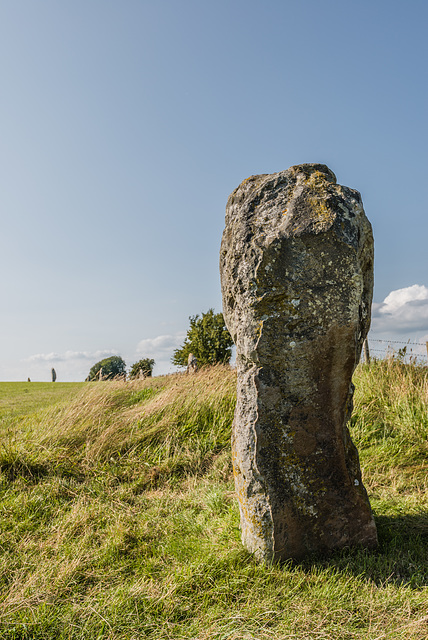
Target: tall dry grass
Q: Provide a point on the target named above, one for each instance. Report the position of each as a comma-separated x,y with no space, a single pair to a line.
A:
390,423
164,426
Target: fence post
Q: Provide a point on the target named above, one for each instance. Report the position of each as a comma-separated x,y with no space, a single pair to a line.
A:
367,352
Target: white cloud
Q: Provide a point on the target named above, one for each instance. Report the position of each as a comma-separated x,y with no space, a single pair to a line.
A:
71,355
403,311
161,345
161,349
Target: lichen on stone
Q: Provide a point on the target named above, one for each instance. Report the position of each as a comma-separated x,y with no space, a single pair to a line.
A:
297,276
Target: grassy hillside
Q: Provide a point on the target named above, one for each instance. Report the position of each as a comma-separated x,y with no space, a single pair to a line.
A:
118,518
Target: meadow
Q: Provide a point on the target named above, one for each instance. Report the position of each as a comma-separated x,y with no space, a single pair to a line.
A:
118,517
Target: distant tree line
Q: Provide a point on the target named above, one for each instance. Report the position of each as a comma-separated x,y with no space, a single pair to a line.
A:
207,339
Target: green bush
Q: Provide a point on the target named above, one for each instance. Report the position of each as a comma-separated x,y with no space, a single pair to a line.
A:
145,366
113,367
208,339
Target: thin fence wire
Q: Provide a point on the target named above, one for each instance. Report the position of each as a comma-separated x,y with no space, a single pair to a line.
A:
421,344
405,352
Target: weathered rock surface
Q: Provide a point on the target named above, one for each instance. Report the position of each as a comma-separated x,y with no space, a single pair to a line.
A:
297,277
192,364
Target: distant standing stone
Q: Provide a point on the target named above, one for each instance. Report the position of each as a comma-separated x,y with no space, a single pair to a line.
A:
53,375
297,278
192,363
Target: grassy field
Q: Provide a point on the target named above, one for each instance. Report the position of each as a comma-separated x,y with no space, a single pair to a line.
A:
118,517
20,398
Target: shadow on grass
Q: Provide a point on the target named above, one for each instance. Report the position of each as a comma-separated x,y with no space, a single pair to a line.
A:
401,557
20,467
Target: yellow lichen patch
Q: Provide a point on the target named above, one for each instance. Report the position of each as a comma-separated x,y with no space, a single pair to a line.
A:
317,198
325,216
317,180
249,510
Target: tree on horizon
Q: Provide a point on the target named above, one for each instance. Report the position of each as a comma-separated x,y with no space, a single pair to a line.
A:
207,339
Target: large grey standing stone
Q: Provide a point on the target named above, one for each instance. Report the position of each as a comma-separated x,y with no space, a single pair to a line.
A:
297,277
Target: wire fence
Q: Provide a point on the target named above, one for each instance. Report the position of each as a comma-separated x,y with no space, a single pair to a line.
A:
406,350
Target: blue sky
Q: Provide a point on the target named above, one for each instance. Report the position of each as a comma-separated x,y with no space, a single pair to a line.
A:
124,126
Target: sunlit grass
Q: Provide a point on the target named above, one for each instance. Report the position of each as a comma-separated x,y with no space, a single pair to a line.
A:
20,398
118,520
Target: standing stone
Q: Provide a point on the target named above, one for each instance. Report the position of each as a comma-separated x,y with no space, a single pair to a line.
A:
297,278
53,375
192,363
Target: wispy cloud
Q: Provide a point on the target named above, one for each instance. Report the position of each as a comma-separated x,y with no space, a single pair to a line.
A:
68,356
403,311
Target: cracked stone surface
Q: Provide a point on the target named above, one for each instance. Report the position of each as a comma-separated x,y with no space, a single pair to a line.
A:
296,265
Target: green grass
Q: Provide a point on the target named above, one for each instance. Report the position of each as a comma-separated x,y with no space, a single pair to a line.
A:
20,398
118,518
